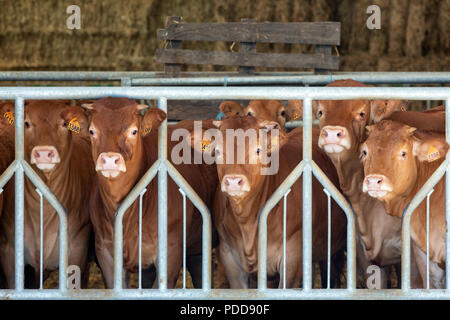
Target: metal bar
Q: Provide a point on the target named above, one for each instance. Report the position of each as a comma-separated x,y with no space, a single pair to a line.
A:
227,294
118,218
262,223
210,93
19,220
63,222
206,224
329,238
284,236
140,236
428,238
162,199
8,173
307,197
41,239
406,222
184,237
447,196
200,78
351,223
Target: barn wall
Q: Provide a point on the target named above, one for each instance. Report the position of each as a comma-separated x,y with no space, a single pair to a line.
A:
121,35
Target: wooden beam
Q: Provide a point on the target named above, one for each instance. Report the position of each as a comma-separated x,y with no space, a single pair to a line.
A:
173,69
249,59
319,33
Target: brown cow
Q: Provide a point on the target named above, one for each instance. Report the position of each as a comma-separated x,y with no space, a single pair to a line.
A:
243,192
271,110
294,110
123,151
381,109
61,159
435,119
6,140
398,160
342,124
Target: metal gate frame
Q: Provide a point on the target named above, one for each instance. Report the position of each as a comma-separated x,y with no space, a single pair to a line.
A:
307,168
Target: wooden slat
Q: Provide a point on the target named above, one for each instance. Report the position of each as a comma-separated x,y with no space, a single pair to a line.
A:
247,47
195,109
325,50
322,33
250,59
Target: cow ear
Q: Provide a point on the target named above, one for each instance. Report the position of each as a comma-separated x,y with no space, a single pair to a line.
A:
152,120
231,108
76,119
276,137
140,107
87,106
430,149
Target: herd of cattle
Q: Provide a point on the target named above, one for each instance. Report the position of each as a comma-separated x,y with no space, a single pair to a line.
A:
92,154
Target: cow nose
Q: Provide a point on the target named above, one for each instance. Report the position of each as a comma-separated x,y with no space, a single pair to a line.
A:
333,135
44,154
374,182
235,184
110,161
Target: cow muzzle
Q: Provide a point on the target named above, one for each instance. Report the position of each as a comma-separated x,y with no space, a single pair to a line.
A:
45,157
235,185
334,139
378,186
110,164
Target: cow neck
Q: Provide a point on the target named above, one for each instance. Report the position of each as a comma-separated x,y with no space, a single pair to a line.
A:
397,205
352,188
246,212
113,191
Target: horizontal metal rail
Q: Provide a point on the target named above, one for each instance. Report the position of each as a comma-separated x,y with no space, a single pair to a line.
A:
229,79
307,167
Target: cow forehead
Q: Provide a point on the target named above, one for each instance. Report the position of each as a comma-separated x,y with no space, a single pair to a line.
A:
44,110
106,117
388,135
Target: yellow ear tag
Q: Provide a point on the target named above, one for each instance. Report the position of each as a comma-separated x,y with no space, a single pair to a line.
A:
147,129
10,117
297,115
433,154
205,145
74,125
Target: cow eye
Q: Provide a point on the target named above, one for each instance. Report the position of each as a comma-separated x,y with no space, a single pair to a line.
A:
91,132
403,154
250,114
283,113
27,124
134,132
258,151
364,152
319,114
362,114
64,124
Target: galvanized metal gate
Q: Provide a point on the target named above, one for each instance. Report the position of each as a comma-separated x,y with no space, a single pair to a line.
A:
162,166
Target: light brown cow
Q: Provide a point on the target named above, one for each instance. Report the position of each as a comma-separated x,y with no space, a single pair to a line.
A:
432,119
398,160
244,190
123,150
270,110
61,159
342,124
294,110
6,140
381,109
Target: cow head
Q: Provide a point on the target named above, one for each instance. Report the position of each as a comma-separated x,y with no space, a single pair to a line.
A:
231,108
239,178
116,129
391,157
381,109
342,123
48,139
268,110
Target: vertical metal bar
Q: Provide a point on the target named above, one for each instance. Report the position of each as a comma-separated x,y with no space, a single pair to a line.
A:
329,239
41,239
19,224
140,237
307,200
284,237
428,238
184,237
162,199
447,197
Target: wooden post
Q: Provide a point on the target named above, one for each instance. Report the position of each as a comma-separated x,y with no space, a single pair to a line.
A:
173,69
325,50
247,47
